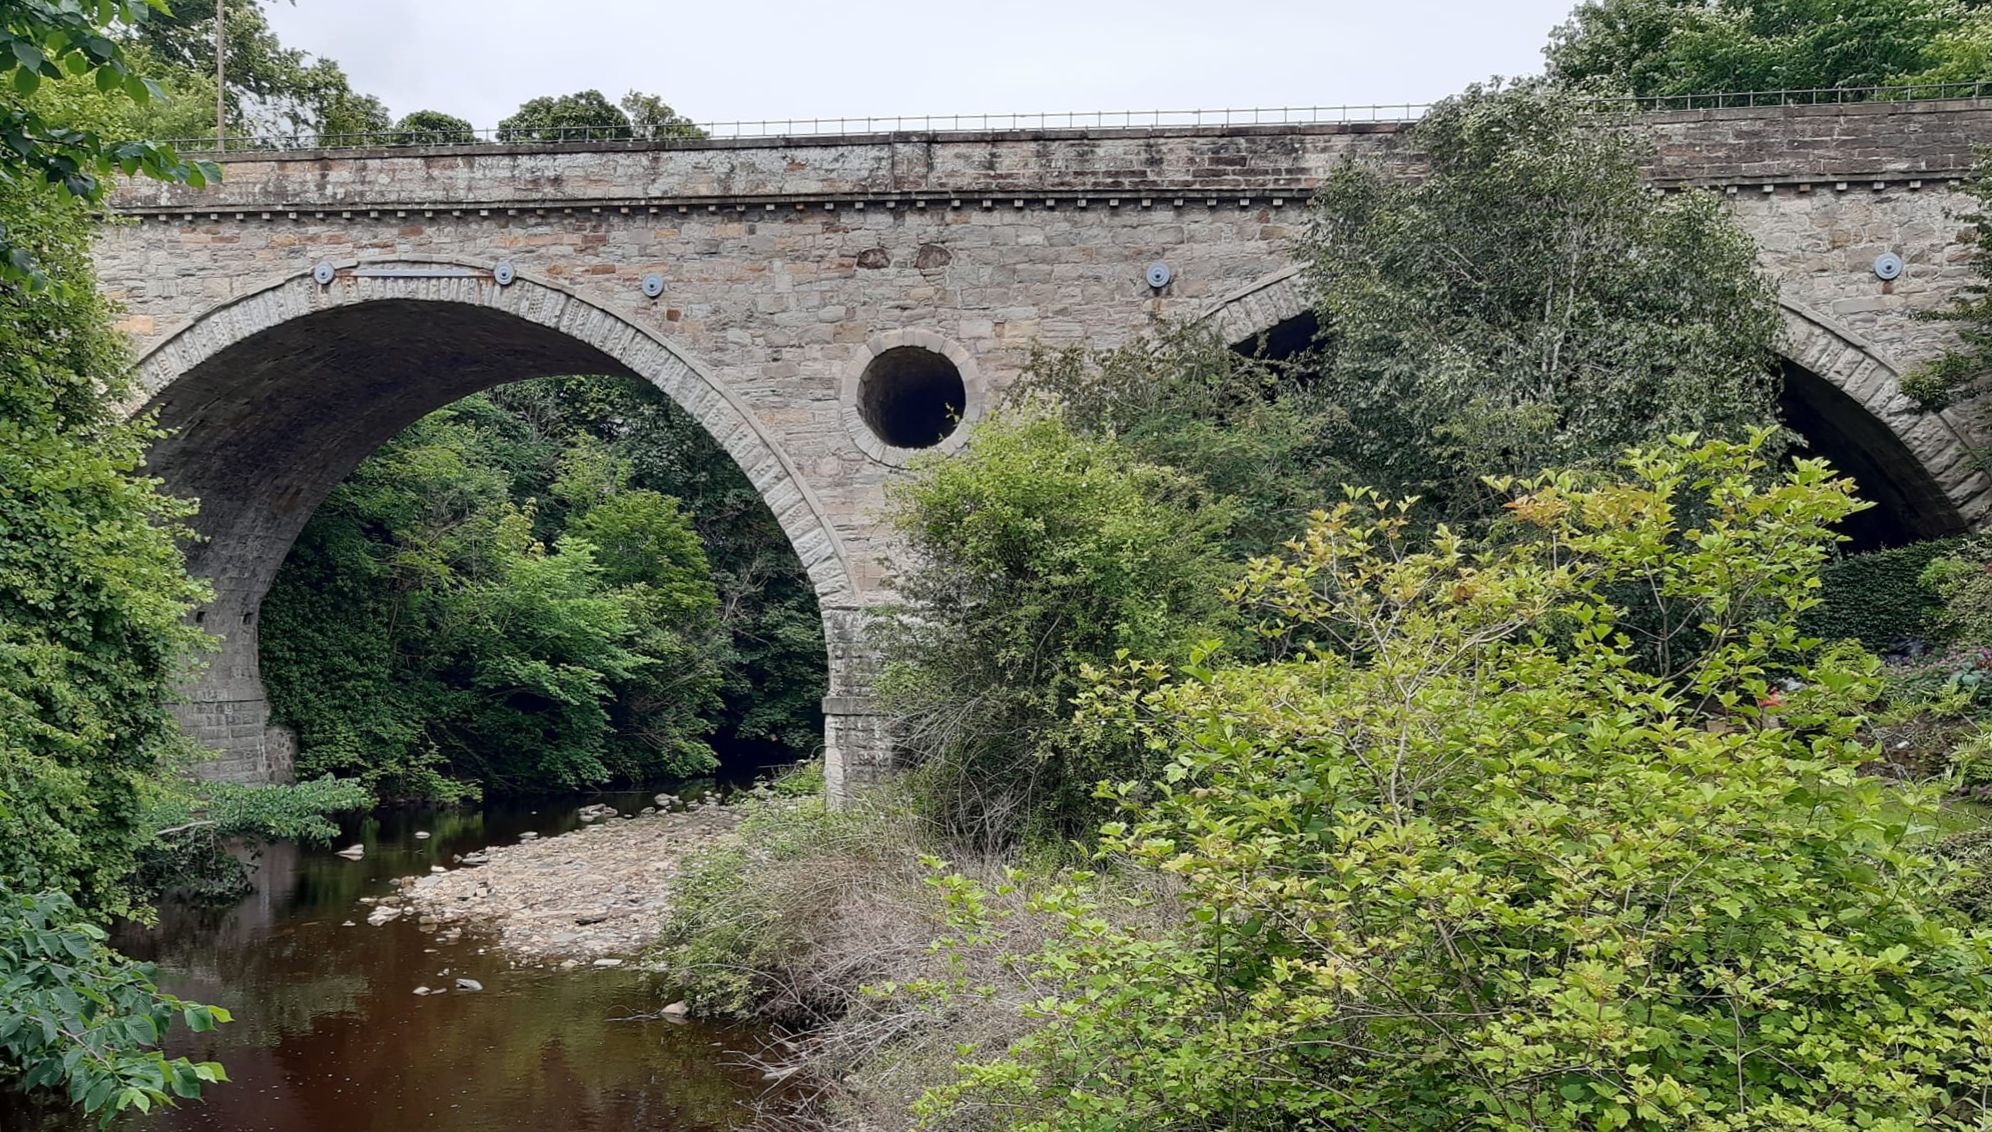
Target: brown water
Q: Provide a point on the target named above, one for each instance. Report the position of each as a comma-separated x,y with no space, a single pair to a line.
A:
329,1035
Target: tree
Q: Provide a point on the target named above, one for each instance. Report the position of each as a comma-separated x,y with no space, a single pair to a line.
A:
270,88
482,605
1689,47
433,127
651,119
1529,302
1254,431
1459,865
583,116
1030,557
54,40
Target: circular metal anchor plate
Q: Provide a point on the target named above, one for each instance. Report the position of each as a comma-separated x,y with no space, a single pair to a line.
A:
653,285
323,273
1158,274
503,274
1887,266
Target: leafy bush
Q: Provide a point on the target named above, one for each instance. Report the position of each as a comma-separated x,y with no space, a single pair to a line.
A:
755,917
1690,47
1254,431
74,1013
193,825
1878,598
1499,314
1462,865
93,588
1033,555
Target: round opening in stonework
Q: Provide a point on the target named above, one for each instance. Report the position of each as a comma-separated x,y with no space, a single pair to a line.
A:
911,397
910,391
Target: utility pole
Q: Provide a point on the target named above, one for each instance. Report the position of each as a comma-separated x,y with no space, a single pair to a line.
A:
220,77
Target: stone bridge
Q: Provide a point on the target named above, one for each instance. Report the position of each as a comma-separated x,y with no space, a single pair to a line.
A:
826,306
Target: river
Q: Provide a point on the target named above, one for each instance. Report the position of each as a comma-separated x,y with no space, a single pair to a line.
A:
329,1035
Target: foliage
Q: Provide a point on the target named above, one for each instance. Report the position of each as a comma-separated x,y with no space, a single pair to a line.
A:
772,653
270,87
588,116
1500,314
429,616
1032,556
1878,598
433,127
1687,47
503,596
44,40
1971,851
75,1013
93,589
193,825
1462,865
744,910
1251,430
1960,371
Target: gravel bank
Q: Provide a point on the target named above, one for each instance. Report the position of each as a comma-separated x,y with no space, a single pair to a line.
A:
592,896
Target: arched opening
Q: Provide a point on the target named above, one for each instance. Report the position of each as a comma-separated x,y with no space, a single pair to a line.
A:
1284,340
272,401
1909,504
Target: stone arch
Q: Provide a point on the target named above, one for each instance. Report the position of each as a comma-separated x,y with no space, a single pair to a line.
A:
1918,467
272,398
1262,308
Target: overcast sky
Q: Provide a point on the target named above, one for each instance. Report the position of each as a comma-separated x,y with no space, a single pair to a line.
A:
722,60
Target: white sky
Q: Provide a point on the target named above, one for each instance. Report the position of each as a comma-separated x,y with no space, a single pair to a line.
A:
719,60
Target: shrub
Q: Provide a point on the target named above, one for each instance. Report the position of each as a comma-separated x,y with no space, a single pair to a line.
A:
1032,556
1461,864
1878,598
75,1013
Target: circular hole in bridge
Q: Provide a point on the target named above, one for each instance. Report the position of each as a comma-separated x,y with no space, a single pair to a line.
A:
911,397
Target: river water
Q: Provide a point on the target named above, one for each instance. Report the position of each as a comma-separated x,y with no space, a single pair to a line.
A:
329,1035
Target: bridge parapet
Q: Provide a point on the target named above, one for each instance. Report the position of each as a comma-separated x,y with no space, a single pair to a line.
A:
1855,145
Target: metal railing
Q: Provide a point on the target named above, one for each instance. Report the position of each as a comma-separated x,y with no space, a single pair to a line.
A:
691,135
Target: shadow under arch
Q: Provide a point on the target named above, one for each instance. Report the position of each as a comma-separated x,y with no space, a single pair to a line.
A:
270,399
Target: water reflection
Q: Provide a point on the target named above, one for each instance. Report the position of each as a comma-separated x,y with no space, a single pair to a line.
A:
330,1036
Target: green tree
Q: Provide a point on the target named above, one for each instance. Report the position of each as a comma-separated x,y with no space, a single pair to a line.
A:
1030,557
1529,302
270,88
433,127
55,40
582,116
1257,432
773,654
1460,865
481,603
652,119
92,586
1688,47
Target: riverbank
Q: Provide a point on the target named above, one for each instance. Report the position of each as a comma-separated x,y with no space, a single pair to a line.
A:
592,896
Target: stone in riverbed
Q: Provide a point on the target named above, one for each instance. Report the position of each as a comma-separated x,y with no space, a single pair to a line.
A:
608,962
677,1010
421,835
352,852
469,985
